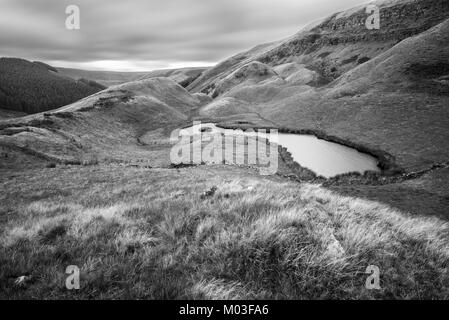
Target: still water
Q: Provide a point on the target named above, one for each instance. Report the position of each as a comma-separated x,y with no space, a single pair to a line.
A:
325,158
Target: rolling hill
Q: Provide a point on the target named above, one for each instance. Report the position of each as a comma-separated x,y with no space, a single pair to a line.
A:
33,87
337,43
105,126
106,78
386,89
183,76
91,184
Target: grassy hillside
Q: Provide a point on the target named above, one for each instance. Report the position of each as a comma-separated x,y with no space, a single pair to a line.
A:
205,82
33,87
337,43
91,183
5,114
105,126
182,76
137,230
395,101
153,234
250,74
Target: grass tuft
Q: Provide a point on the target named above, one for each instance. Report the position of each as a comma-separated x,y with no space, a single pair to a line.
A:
253,238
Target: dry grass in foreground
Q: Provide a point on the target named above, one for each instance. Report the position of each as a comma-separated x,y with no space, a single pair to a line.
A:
156,234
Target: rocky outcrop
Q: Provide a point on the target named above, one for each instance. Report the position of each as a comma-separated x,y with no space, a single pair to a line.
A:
397,22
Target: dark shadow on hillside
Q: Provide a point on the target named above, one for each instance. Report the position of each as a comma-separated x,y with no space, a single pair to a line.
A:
428,195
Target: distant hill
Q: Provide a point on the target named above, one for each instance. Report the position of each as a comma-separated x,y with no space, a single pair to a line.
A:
105,78
183,76
33,87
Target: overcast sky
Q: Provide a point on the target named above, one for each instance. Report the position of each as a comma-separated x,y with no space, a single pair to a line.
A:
141,35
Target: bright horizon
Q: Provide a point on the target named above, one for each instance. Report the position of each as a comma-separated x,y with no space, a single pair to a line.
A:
144,35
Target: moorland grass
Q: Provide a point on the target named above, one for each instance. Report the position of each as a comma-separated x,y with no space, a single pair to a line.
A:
158,234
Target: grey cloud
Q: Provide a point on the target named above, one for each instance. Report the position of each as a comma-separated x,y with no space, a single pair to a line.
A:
152,30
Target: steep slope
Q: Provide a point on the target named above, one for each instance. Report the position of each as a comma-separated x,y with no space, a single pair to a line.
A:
33,87
103,127
338,43
395,101
419,64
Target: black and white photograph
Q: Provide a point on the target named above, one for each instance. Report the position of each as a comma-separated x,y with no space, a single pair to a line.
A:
235,152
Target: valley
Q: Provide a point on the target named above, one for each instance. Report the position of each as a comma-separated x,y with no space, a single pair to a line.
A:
90,181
